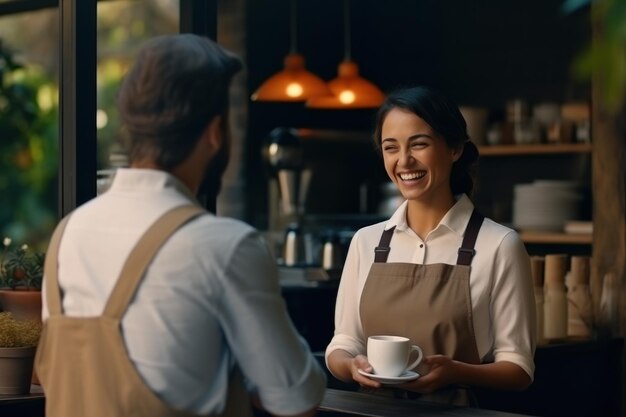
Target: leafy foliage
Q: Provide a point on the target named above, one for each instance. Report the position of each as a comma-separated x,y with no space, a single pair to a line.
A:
606,56
21,267
28,150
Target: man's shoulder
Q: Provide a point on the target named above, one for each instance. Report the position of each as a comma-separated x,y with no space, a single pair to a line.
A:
231,225
224,230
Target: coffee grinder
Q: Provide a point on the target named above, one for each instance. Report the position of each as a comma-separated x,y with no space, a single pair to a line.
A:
284,155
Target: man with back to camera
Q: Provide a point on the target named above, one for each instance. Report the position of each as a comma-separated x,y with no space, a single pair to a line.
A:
153,306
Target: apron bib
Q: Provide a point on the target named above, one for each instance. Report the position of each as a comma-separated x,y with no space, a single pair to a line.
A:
429,304
83,364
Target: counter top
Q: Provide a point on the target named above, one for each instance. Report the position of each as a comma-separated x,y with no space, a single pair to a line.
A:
335,403
340,403
25,405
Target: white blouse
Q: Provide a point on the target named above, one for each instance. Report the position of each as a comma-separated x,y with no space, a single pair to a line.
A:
501,288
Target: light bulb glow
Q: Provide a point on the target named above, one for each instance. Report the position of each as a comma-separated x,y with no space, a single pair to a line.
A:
102,119
347,97
294,90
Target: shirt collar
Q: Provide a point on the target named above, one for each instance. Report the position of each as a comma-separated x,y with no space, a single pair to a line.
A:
455,219
146,180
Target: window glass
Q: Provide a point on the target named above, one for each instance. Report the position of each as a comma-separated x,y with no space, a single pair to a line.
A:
122,27
29,100
29,126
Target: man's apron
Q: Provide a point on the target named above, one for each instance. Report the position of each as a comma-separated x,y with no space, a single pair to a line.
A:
83,364
429,304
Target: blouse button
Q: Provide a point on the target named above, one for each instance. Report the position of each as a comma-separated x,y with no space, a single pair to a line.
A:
421,245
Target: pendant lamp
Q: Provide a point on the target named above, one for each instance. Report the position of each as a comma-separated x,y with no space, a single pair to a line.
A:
294,82
349,90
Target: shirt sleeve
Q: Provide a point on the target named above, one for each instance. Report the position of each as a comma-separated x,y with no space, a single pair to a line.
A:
276,361
513,305
348,334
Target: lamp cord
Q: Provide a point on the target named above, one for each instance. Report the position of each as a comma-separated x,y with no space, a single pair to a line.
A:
346,29
293,48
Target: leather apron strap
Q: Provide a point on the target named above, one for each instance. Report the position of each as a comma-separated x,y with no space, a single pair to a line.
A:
51,267
142,254
381,252
466,251
133,269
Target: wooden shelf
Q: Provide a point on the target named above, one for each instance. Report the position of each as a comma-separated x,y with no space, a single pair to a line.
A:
556,238
535,149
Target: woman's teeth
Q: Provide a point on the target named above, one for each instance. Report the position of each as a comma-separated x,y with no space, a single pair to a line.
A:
412,175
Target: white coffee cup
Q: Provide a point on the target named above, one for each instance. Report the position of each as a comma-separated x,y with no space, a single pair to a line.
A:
389,355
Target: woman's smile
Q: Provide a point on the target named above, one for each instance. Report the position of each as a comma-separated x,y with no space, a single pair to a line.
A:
411,177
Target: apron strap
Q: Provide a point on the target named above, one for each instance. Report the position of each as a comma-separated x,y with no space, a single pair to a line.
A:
381,252
51,269
466,251
141,256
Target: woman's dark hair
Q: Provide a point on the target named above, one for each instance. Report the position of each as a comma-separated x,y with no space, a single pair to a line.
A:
177,85
445,119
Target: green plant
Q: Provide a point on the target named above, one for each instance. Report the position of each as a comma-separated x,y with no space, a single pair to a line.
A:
28,150
606,55
18,333
20,267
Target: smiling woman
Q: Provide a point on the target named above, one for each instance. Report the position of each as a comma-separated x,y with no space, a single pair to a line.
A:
416,159
426,149
456,284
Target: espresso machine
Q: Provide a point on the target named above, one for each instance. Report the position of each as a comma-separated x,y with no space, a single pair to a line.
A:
284,156
305,256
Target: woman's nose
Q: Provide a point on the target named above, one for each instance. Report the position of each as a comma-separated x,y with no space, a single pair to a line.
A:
405,157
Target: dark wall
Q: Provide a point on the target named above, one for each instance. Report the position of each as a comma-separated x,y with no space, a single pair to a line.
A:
479,52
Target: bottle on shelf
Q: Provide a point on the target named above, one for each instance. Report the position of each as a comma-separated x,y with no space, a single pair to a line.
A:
555,298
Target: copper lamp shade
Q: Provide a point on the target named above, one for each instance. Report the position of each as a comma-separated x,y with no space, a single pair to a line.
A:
349,91
293,83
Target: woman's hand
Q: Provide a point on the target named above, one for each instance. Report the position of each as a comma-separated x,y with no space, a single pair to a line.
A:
346,367
360,362
441,372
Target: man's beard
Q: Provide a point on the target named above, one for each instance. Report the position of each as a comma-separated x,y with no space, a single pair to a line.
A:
212,182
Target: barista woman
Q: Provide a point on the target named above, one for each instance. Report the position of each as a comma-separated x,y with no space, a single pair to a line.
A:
455,283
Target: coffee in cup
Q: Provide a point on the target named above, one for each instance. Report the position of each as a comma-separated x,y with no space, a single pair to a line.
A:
389,355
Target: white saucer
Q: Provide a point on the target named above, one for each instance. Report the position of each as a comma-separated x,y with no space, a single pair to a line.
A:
406,376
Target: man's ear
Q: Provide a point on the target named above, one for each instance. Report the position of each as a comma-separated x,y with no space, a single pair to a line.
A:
213,134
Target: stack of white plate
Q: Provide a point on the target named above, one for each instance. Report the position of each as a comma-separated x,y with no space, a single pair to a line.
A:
545,205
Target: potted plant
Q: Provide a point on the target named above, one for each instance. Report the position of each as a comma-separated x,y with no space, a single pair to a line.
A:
21,274
18,344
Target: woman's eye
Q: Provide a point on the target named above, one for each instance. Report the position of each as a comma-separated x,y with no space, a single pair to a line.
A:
389,148
418,144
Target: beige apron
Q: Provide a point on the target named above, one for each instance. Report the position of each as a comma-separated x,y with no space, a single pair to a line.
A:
429,304
83,364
